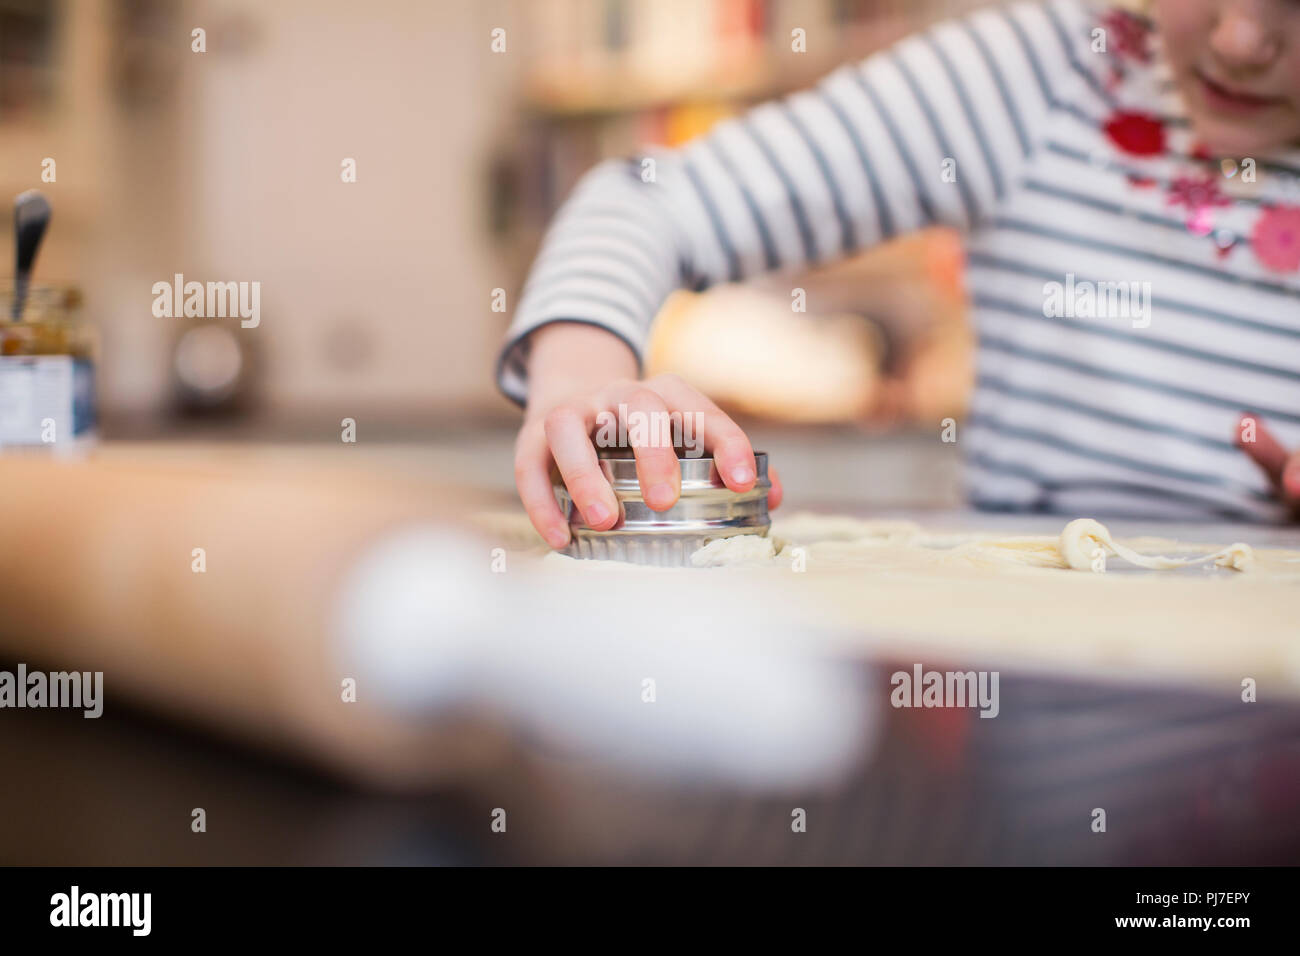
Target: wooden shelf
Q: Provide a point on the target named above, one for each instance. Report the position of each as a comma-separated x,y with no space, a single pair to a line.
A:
761,72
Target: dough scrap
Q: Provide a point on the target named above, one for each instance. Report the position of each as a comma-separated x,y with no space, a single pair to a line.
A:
737,550
1082,536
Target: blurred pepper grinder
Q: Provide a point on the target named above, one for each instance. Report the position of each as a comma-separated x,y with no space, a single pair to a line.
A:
47,395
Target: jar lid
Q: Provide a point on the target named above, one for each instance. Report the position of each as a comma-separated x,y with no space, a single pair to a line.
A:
45,302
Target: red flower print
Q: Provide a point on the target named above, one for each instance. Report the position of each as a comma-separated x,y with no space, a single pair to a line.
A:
1197,192
1200,194
1129,34
1137,134
1276,238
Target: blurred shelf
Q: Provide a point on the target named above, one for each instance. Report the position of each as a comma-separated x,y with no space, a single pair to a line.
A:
564,94
760,72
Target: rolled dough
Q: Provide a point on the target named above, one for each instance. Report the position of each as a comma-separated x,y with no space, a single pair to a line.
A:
1083,545
829,541
895,588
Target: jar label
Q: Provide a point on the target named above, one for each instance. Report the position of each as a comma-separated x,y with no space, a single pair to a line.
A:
45,399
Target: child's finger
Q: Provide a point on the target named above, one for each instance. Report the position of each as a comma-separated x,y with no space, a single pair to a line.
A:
731,450
656,464
777,492
533,479
568,433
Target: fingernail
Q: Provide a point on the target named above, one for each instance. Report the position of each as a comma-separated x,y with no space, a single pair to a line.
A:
597,513
557,538
742,474
661,494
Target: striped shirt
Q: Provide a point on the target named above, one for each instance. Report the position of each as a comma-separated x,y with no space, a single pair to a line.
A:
1078,407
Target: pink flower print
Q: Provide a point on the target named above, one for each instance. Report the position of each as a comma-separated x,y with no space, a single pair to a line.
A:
1276,238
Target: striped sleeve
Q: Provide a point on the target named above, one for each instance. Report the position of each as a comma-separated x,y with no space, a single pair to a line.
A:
932,130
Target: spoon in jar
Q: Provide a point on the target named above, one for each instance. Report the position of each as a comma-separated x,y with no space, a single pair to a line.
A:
31,217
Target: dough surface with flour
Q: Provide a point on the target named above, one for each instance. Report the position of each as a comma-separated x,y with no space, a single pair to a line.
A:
836,541
1083,545
953,590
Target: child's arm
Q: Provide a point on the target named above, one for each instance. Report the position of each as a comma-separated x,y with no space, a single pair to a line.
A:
930,131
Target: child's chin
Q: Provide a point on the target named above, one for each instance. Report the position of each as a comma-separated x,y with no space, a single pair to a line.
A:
1224,138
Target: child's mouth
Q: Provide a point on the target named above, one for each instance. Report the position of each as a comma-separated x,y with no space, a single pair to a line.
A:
1222,98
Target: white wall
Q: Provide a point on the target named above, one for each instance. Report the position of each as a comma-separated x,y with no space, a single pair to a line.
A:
411,91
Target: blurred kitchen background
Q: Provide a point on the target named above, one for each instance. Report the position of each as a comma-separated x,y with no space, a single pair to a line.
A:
225,166
376,305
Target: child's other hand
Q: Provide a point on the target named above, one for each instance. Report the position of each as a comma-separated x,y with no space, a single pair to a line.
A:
562,432
1281,466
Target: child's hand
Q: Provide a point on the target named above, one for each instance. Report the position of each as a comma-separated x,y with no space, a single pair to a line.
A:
563,434
1281,466
562,416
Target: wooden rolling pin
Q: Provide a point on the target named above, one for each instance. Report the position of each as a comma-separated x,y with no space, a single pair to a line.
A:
97,573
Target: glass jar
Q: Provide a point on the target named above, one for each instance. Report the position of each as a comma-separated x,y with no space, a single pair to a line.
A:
47,362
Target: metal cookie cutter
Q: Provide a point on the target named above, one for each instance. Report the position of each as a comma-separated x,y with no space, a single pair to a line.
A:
707,510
